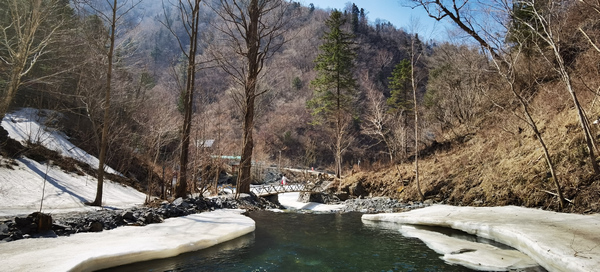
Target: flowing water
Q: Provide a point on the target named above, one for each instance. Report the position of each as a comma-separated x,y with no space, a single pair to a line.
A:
307,242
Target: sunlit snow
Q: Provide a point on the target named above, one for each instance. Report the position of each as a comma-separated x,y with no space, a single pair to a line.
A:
93,251
22,187
290,201
24,182
31,125
557,241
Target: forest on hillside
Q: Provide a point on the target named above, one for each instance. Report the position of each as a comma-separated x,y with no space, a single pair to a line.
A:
503,116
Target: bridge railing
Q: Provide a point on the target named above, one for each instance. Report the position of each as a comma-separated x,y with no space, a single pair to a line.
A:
272,189
277,189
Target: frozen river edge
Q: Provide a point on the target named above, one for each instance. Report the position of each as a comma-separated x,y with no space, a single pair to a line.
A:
557,241
94,251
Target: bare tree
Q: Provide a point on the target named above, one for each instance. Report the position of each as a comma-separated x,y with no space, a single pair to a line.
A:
456,12
458,74
377,121
111,13
415,55
550,28
252,32
24,38
189,12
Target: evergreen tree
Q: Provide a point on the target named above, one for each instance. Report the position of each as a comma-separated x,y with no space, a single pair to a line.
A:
399,99
522,20
354,18
335,86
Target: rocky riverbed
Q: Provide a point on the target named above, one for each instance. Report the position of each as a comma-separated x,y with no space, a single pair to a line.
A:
70,223
362,204
12,229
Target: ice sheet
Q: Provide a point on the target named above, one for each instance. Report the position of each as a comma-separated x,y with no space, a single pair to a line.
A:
471,254
93,251
557,241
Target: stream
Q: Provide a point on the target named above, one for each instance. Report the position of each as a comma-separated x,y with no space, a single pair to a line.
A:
307,242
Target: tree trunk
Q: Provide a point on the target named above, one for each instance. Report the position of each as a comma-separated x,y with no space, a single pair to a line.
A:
254,59
15,79
182,183
104,140
589,140
416,110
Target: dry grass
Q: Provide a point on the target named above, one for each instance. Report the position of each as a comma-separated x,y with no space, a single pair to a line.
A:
498,165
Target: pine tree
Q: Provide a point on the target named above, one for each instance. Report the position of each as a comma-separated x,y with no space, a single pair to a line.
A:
335,86
400,99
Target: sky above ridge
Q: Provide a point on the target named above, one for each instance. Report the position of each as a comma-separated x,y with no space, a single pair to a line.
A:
396,12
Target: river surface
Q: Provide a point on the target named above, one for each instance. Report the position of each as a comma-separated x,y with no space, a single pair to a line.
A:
307,242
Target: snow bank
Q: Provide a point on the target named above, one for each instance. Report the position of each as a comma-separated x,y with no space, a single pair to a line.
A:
557,241
30,125
471,254
290,201
93,251
21,190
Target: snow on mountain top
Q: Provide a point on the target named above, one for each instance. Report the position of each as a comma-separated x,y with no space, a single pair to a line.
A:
22,187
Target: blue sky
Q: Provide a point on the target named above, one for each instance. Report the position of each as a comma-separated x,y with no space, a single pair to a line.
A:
394,11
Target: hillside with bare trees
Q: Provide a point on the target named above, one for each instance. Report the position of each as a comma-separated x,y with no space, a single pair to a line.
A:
506,117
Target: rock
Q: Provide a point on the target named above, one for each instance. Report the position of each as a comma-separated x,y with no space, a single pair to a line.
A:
186,205
128,215
3,229
177,202
317,197
96,226
358,190
342,196
22,222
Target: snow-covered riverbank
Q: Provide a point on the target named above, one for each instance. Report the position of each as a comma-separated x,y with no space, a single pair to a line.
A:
557,241
290,201
93,251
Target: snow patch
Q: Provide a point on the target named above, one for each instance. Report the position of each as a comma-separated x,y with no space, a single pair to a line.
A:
22,187
35,126
290,201
21,190
557,241
124,245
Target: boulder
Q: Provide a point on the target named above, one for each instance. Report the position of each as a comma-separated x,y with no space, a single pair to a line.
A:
96,226
4,228
358,190
128,215
177,202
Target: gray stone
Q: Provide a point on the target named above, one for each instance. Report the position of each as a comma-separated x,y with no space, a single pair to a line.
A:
3,228
128,215
177,202
96,226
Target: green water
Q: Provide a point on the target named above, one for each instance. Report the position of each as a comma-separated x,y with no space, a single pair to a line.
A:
307,242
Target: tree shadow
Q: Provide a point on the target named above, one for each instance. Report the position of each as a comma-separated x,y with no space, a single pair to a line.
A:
51,180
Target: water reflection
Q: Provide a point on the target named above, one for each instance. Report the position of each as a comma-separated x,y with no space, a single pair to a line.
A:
307,242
